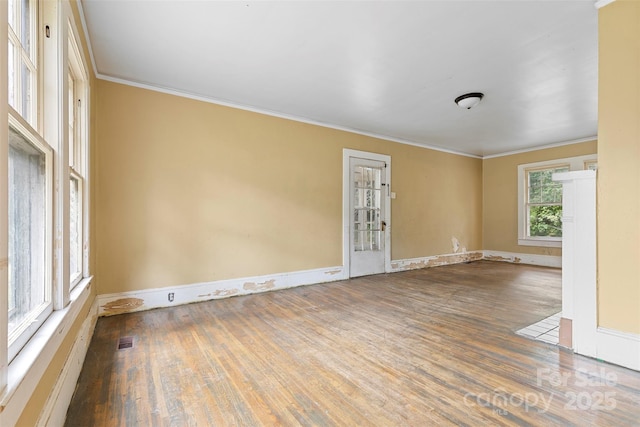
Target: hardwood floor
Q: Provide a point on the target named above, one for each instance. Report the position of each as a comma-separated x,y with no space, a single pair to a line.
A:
419,348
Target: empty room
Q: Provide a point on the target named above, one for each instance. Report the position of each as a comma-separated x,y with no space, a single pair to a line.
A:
315,213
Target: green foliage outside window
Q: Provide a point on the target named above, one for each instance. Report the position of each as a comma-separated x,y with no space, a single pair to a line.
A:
545,221
545,203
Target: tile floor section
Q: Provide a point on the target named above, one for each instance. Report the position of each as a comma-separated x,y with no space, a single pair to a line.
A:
546,330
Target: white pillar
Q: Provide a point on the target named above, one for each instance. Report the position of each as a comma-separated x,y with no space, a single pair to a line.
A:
579,309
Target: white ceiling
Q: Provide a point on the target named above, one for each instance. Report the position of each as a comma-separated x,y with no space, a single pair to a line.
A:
384,68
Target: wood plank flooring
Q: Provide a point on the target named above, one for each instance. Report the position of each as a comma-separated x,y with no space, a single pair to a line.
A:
419,348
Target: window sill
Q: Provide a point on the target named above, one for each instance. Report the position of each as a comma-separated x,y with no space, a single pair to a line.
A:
540,242
26,370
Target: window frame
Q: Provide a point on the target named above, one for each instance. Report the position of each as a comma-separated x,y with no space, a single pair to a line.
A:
48,133
33,62
574,163
77,158
17,339
589,163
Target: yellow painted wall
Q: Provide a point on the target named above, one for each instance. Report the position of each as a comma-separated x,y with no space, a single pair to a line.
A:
500,210
619,167
192,192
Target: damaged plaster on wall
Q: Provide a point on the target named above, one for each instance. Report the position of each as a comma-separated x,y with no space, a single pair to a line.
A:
437,261
122,305
514,260
264,286
456,246
220,293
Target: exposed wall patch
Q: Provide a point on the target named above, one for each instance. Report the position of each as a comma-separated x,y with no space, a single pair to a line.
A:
220,293
435,261
122,305
334,272
264,286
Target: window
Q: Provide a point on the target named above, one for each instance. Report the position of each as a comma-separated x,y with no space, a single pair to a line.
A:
544,202
591,165
77,159
23,54
540,200
29,235
35,266
45,173
30,183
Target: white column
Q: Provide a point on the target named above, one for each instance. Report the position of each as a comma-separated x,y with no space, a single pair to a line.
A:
579,257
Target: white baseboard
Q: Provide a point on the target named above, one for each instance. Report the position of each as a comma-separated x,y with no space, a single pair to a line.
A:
128,302
518,258
434,261
620,348
55,409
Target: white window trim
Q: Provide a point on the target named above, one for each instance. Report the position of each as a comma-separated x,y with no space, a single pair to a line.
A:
35,65
20,378
575,163
17,122
25,371
4,194
80,170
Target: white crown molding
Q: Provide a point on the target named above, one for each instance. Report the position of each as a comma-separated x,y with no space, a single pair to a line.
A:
294,118
543,147
271,113
602,3
85,30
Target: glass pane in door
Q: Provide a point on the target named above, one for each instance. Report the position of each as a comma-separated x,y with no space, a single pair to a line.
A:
367,223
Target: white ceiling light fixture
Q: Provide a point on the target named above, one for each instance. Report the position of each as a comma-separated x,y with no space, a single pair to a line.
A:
469,100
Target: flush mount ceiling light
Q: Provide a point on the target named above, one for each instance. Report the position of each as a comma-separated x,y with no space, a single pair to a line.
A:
469,100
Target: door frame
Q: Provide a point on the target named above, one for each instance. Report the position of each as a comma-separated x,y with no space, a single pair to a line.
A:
348,154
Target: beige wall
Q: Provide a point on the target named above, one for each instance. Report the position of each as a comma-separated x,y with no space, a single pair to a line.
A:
191,192
500,209
619,167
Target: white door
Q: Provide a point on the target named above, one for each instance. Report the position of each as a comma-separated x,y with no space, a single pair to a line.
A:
367,191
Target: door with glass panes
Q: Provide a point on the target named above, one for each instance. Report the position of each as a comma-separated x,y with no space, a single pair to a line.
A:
367,204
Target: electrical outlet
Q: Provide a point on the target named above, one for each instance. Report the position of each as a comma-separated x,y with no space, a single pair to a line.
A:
170,296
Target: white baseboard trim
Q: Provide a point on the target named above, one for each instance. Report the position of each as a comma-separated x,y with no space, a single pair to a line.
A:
128,302
620,348
54,412
519,258
434,261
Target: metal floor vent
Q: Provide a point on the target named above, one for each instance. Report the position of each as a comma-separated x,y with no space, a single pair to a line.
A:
125,342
